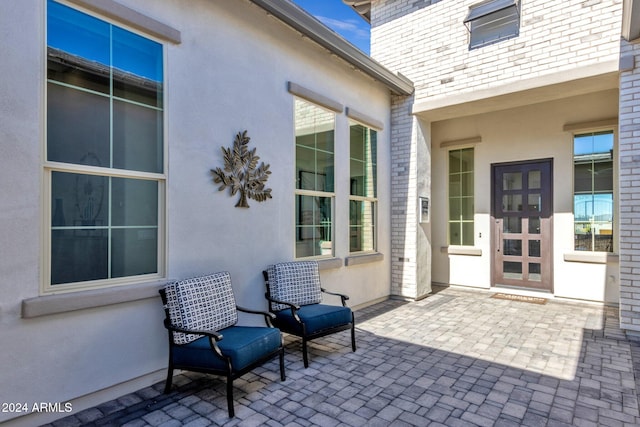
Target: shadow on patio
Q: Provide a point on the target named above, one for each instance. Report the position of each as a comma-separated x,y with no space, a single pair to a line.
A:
458,357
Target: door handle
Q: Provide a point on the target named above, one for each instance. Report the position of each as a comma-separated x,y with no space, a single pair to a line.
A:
498,235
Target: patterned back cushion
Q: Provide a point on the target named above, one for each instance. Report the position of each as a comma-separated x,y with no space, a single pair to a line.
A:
203,303
296,282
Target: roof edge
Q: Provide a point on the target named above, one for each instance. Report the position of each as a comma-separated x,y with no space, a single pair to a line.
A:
300,20
631,20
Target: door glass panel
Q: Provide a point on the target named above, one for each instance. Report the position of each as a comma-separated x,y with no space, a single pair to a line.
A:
512,202
512,247
535,272
534,202
534,225
534,248
512,270
534,179
512,225
512,181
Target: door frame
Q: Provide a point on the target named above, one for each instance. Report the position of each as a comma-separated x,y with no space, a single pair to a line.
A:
547,212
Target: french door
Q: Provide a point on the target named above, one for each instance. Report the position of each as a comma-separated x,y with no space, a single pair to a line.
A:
522,220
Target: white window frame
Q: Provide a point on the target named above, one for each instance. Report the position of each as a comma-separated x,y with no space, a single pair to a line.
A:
165,33
368,199
331,195
582,131
460,222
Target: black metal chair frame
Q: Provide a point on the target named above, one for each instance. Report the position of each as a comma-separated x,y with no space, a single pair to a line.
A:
230,373
308,337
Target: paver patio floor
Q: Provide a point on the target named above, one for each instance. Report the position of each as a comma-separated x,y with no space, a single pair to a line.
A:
456,358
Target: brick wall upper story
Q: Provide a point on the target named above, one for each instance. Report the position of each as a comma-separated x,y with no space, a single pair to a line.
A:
427,41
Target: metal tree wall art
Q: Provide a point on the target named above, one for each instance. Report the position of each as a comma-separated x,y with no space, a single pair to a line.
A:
241,172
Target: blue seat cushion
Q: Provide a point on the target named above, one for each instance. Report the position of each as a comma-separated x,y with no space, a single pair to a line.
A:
244,344
316,317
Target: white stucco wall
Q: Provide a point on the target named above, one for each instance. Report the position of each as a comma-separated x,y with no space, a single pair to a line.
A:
228,74
524,133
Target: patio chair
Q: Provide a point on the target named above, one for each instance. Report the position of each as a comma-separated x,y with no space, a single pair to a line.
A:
200,317
295,295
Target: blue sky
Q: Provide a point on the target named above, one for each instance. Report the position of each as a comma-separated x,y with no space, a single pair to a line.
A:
341,19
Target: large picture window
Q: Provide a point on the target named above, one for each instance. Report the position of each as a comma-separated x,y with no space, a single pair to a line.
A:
105,151
363,191
593,191
314,180
461,197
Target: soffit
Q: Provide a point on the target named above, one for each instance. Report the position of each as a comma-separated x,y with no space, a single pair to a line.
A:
362,7
555,86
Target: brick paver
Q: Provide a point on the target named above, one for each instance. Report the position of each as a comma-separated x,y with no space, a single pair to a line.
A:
456,358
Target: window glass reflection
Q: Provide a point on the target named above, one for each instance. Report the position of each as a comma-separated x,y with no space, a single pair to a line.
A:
512,181
593,191
534,180
512,247
512,224
104,93
512,270
314,147
363,161
104,112
78,48
313,226
361,226
512,202
78,127
137,68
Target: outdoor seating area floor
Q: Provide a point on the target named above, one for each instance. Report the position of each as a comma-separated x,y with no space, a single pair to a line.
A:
455,358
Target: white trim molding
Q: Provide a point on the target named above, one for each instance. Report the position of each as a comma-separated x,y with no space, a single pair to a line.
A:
133,18
315,97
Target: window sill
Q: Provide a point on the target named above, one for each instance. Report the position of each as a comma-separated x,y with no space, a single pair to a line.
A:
72,301
363,259
461,250
591,257
329,263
